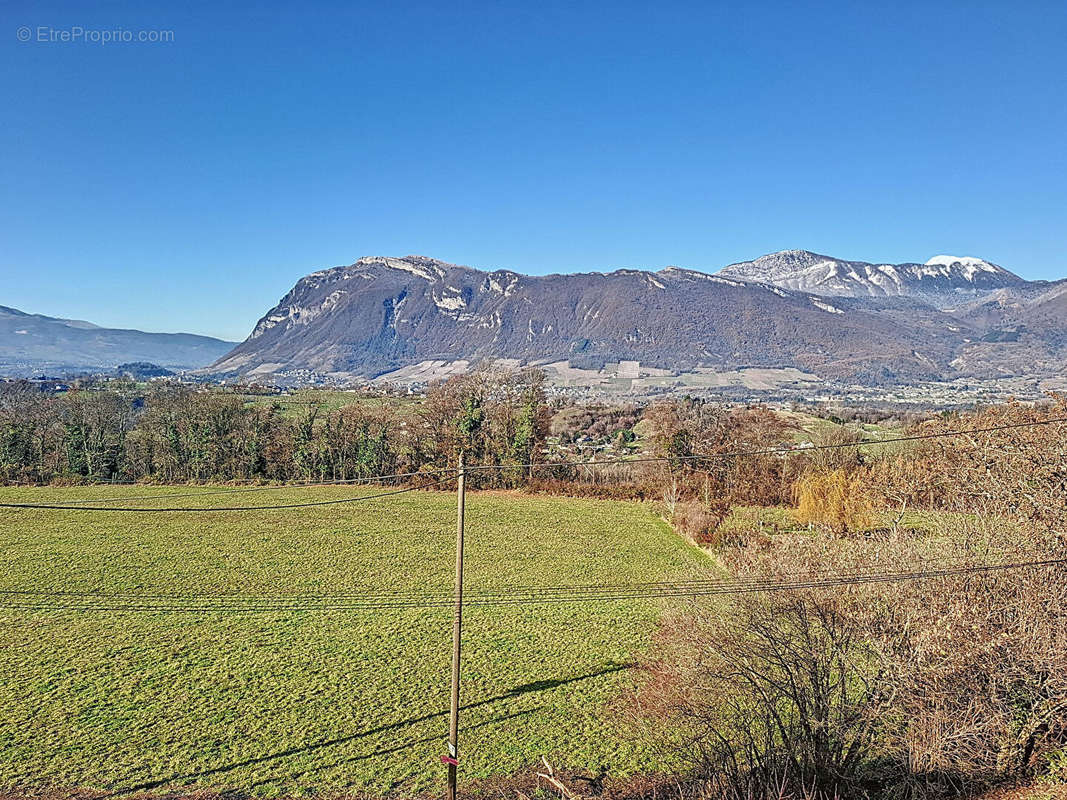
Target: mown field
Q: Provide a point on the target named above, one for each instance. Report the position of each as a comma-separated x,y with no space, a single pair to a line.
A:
308,702
295,404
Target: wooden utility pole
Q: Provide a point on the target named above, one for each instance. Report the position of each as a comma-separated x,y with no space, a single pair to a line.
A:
457,629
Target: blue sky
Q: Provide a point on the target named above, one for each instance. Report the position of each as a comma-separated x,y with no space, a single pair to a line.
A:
187,185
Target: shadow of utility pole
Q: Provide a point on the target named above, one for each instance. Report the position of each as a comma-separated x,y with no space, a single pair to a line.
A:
518,691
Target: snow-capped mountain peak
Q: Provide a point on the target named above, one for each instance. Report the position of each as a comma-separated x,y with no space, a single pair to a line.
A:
968,266
949,261
941,280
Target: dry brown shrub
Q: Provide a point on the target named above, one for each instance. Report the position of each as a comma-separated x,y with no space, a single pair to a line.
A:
1018,473
979,661
770,696
942,672
699,522
683,431
940,684
835,454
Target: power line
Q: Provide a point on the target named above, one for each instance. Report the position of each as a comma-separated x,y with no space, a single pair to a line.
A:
449,473
779,450
280,506
510,591
443,603
274,487
264,604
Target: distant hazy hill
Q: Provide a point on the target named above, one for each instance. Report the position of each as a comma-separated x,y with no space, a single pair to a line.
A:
33,343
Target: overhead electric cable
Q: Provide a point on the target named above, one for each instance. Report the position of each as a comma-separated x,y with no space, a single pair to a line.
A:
921,562
279,506
272,487
90,602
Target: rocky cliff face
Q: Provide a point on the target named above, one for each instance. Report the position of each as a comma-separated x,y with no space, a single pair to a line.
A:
380,314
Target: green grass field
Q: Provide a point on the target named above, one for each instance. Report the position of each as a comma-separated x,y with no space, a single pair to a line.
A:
294,405
308,702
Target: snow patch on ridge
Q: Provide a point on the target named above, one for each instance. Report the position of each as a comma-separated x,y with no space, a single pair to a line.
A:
827,307
500,287
449,303
418,268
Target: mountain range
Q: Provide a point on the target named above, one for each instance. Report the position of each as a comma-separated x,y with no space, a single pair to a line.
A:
33,344
846,320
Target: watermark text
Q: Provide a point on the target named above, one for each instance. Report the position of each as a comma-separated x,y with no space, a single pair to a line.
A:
78,34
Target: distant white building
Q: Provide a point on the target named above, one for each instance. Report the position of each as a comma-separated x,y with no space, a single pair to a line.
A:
629,369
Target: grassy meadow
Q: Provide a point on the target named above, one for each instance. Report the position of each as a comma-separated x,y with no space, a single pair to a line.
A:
309,702
294,404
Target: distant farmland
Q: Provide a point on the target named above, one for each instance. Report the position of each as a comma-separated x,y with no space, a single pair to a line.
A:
317,701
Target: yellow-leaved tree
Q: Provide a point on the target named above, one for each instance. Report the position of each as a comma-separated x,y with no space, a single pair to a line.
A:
836,499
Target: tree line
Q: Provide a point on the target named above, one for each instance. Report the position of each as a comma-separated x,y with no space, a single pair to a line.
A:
175,433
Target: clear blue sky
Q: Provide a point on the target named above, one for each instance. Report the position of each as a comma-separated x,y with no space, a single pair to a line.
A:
188,185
